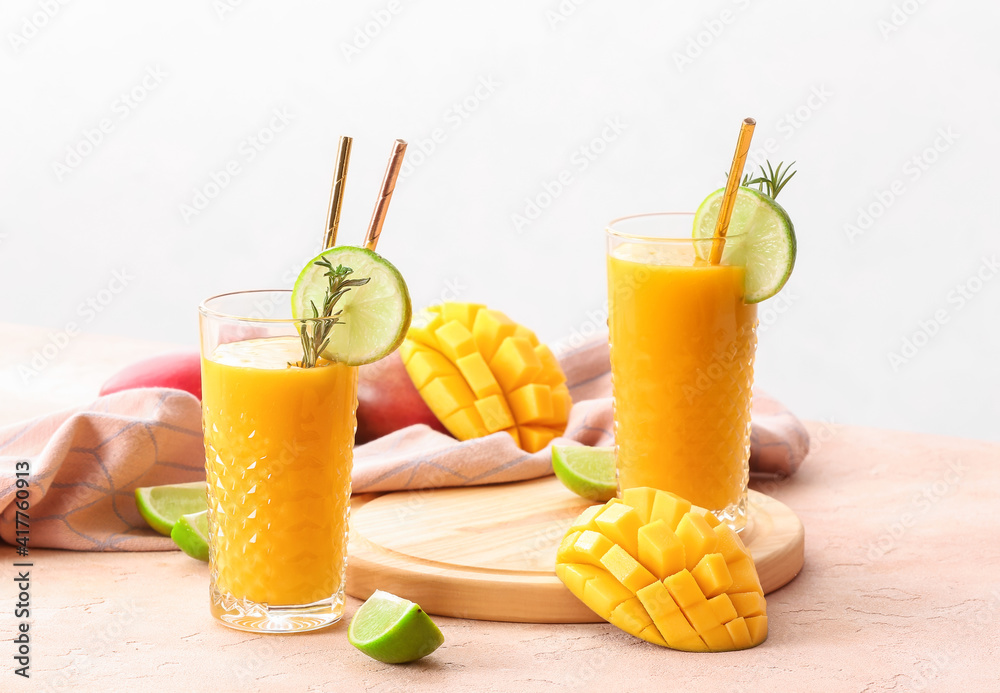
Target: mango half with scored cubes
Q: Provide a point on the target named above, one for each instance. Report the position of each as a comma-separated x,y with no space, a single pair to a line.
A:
480,372
665,572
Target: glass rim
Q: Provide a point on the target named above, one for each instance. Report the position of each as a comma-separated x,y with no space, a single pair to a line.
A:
208,312
610,229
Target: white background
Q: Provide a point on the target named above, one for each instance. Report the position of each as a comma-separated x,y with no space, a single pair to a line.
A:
851,90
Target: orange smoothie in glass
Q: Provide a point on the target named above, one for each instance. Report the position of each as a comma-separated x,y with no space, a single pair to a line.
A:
278,444
682,350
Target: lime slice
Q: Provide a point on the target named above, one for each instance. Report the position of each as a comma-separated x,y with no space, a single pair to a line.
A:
190,533
587,472
767,246
393,630
162,506
375,316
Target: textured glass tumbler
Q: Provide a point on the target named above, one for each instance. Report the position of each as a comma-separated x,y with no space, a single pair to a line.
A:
278,453
682,352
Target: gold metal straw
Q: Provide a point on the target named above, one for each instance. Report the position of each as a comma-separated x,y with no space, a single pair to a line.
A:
732,185
385,194
337,192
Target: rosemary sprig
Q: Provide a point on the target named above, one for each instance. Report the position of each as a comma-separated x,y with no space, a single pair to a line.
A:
769,181
315,335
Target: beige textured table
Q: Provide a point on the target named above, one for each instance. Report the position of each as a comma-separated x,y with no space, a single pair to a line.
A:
900,590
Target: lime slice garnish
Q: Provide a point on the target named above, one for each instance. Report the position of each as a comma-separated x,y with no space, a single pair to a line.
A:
162,506
586,471
393,630
190,533
766,243
375,316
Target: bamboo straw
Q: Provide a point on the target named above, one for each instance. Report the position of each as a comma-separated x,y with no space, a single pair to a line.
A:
385,194
732,185
337,191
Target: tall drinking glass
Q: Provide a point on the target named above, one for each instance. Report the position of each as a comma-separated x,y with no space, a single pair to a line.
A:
278,453
682,351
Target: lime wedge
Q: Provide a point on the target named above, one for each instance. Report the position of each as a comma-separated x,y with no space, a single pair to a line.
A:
767,244
586,471
375,316
162,506
393,630
190,533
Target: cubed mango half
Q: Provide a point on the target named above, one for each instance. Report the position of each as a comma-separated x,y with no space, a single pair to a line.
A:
669,574
482,373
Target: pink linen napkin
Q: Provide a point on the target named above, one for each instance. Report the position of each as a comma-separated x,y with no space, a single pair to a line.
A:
85,463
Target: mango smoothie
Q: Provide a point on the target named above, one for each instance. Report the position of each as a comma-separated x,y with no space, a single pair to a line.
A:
279,445
682,351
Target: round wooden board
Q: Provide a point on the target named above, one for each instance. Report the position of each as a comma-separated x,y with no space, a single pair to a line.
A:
488,552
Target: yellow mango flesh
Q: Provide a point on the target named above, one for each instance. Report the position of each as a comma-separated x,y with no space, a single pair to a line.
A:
482,373
660,549
672,575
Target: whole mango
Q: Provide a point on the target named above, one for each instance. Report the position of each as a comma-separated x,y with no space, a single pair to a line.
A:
180,370
388,401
